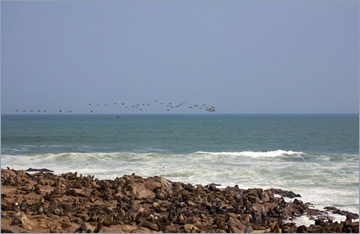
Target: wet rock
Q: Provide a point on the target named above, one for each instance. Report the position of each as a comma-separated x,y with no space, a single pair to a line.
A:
284,193
341,212
39,170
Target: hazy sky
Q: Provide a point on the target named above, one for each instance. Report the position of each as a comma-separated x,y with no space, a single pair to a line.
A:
240,56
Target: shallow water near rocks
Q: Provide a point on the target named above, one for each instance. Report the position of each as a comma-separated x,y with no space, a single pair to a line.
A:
313,155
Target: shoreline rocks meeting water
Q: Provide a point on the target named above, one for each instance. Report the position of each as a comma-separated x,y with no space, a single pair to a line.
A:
41,201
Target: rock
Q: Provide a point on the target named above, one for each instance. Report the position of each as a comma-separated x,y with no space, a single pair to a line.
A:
190,228
173,228
25,222
109,219
87,227
159,182
139,191
181,218
53,229
15,222
155,204
39,170
236,225
341,212
84,204
150,225
284,193
57,211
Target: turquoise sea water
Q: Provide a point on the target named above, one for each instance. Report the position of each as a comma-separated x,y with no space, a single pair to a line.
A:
314,155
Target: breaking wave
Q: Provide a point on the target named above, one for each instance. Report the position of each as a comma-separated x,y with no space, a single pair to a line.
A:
267,154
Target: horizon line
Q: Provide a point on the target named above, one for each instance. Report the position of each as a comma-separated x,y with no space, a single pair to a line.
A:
180,114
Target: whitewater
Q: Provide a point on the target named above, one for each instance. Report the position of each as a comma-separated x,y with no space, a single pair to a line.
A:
312,155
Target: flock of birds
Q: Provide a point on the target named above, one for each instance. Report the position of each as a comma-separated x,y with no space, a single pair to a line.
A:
139,106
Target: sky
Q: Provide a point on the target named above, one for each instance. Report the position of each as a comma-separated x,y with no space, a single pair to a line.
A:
238,56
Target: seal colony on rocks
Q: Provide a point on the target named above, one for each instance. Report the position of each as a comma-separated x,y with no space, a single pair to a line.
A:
45,202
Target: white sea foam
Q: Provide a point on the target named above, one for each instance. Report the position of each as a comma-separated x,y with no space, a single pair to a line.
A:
259,154
302,220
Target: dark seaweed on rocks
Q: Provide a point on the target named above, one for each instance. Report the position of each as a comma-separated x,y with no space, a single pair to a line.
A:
44,202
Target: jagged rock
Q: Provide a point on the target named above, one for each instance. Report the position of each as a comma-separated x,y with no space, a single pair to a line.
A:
284,193
341,212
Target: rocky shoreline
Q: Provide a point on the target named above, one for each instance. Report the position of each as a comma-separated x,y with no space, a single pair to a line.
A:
45,202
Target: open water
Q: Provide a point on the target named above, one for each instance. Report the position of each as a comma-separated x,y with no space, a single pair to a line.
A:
314,155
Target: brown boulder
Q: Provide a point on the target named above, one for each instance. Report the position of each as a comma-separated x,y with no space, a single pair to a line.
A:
159,182
139,191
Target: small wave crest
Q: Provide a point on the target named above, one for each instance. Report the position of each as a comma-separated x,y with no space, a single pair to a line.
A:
259,154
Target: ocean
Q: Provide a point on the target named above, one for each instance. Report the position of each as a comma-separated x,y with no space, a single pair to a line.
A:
316,156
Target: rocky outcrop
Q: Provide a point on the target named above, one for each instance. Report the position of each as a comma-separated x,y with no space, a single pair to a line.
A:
44,202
